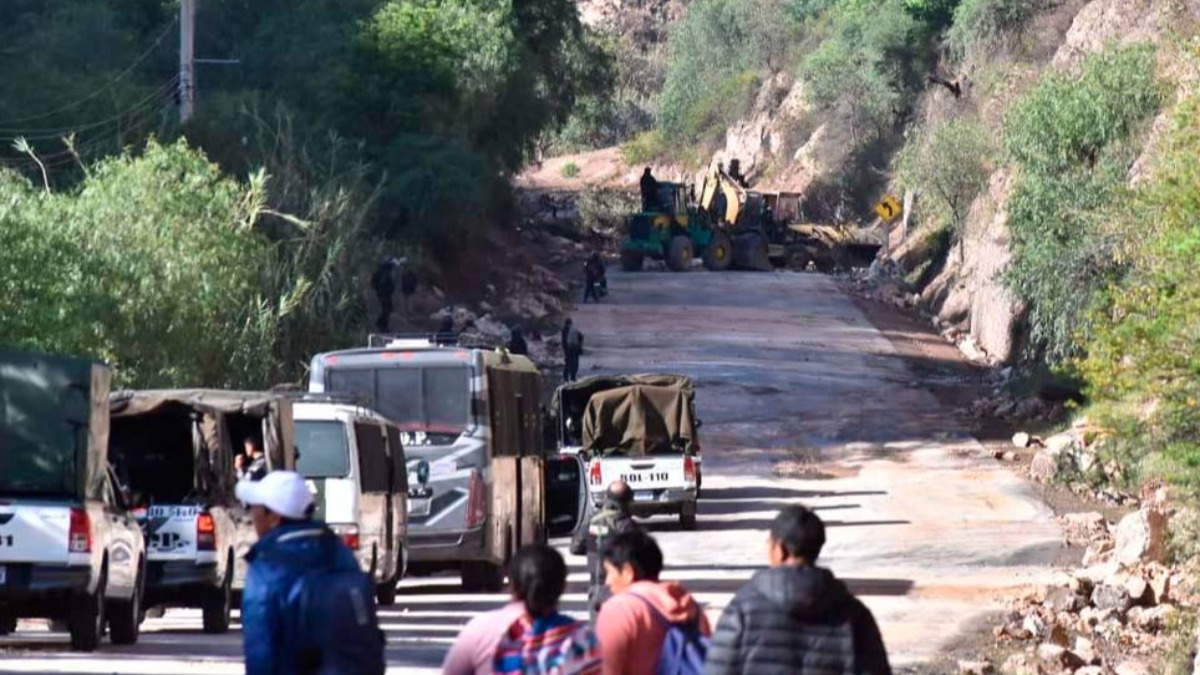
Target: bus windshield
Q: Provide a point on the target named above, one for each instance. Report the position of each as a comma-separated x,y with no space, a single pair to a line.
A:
433,399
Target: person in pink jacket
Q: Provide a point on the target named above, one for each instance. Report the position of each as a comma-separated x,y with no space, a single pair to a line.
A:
630,625
475,648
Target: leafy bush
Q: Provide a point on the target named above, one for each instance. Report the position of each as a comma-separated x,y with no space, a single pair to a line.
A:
869,66
949,166
982,25
1067,138
644,148
153,263
570,170
1143,359
718,54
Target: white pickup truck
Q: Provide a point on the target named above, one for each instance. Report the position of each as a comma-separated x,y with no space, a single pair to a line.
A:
69,548
640,429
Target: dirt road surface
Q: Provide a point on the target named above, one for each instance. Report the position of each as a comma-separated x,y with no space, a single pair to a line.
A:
803,400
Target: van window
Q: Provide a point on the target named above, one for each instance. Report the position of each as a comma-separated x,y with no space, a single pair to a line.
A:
372,457
324,452
399,465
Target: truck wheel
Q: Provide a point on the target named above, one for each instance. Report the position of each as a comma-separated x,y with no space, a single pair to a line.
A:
8,623
482,577
218,607
797,258
751,253
679,256
385,593
125,618
85,621
718,256
687,516
631,261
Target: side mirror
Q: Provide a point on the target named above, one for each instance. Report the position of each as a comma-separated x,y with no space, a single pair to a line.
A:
699,423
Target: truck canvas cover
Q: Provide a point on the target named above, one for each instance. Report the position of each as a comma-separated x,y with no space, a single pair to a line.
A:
638,420
273,409
53,425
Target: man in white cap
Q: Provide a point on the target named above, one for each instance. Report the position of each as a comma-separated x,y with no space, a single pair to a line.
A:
307,606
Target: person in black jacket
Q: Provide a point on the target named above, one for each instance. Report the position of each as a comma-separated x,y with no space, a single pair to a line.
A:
795,618
516,342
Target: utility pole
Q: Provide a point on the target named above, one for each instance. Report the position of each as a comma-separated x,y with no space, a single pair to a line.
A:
187,59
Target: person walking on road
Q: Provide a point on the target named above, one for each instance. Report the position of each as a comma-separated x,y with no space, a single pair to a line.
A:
308,608
593,275
543,640
612,518
795,618
647,620
572,344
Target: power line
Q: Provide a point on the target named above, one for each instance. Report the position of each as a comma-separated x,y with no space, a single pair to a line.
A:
109,85
162,90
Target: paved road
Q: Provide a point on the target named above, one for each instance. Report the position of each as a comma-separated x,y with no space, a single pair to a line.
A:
802,401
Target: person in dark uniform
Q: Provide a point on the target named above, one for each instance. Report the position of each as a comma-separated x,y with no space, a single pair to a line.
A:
613,517
385,287
572,345
593,272
649,191
516,342
446,334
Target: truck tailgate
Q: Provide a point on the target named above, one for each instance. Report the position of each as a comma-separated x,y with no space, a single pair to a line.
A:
34,533
646,473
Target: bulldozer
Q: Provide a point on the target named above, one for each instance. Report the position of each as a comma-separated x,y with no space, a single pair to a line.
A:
731,226
676,232
766,232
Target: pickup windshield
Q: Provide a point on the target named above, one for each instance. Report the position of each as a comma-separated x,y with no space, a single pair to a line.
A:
323,449
432,399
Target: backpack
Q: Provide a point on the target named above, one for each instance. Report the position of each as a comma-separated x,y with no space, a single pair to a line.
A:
553,645
338,621
684,649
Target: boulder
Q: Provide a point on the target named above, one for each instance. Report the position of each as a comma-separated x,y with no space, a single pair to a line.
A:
1022,439
1085,650
1160,588
1060,443
1141,537
1063,599
1018,664
1082,527
1138,590
975,668
1043,467
1131,667
1152,619
1112,596
1057,656
1090,670
1034,625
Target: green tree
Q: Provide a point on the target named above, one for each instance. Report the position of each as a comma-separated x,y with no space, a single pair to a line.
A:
949,166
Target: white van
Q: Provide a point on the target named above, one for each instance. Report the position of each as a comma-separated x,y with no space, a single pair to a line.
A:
354,462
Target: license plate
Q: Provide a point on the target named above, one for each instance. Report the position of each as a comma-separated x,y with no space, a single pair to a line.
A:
3,575
643,496
418,507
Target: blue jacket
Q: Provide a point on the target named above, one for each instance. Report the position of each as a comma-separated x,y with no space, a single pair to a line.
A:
271,628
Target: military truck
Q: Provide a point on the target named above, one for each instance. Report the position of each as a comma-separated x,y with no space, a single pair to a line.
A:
641,429
481,483
173,451
70,550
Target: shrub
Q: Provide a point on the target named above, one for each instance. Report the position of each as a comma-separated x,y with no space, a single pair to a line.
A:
949,166
644,148
718,53
570,170
869,66
1067,138
984,25
1143,358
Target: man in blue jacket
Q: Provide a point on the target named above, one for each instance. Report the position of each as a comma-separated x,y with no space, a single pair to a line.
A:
282,618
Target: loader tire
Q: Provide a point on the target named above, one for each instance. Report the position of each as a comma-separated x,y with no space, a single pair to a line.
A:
718,255
680,254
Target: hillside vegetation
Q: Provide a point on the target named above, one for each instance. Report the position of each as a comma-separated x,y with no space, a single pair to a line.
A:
231,248
1051,145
